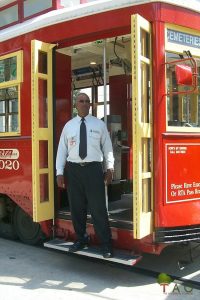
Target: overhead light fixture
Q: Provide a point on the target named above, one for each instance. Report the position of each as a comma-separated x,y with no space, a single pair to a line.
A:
93,63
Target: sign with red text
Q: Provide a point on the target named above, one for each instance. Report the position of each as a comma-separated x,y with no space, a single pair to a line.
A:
182,172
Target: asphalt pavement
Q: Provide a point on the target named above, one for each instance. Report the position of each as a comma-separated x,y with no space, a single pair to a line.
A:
37,273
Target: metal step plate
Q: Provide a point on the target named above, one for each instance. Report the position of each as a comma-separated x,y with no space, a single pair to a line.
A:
120,256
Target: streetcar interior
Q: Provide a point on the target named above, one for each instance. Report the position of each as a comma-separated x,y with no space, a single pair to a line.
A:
102,69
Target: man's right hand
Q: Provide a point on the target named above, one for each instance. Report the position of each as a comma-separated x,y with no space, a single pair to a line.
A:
61,181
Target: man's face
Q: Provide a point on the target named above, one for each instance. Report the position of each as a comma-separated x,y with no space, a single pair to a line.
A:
83,105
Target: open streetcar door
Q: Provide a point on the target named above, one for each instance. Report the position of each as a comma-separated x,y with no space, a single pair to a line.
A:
42,132
142,127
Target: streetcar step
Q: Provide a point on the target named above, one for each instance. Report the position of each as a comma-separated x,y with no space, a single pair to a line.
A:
120,256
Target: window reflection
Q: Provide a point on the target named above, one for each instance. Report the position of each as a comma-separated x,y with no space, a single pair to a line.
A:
183,110
8,69
32,7
9,109
9,15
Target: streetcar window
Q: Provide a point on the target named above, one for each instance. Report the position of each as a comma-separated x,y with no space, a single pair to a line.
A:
9,109
9,16
32,7
97,102
100,100
183,109
8,69
10,79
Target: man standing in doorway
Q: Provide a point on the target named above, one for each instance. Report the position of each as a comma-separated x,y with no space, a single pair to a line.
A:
84,144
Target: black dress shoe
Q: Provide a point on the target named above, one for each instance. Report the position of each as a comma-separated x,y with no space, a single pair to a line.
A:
78,245
107,251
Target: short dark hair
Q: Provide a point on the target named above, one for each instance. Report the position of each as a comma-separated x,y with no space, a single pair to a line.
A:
82,94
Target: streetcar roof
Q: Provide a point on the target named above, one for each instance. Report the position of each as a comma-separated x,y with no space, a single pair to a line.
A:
78,11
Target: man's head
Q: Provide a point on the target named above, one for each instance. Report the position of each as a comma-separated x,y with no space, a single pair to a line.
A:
82,104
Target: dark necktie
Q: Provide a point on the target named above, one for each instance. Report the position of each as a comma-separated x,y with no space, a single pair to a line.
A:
83,140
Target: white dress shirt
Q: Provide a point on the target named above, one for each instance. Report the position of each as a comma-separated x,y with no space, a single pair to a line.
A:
99,146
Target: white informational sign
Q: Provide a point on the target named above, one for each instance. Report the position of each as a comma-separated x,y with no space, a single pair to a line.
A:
9,159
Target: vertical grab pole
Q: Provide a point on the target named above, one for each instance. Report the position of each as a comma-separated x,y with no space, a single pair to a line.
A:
104,82
105,102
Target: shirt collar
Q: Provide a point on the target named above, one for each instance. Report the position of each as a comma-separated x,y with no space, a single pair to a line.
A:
86,118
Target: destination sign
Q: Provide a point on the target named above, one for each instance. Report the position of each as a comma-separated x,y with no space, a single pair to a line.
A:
182,38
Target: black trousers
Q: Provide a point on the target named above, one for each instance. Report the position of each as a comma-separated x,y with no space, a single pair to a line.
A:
86,189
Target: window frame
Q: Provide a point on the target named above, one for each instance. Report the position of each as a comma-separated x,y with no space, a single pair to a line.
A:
172,47
14,83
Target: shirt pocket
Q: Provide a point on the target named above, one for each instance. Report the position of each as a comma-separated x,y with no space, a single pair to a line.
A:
94,135
94,139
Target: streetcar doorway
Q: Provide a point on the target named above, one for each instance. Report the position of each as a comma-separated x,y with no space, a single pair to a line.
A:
104,70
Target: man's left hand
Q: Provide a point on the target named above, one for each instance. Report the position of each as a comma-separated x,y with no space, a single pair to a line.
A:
108,176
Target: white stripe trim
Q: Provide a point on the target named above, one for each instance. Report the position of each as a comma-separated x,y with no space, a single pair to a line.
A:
82,10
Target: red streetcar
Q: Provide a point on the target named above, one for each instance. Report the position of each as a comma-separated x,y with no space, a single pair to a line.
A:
139,61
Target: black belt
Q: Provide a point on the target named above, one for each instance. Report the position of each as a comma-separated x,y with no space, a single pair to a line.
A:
83,164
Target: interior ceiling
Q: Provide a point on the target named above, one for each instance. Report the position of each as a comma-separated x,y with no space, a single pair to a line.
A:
82,55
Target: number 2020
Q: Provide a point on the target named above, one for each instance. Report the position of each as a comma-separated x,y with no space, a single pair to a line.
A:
9,164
